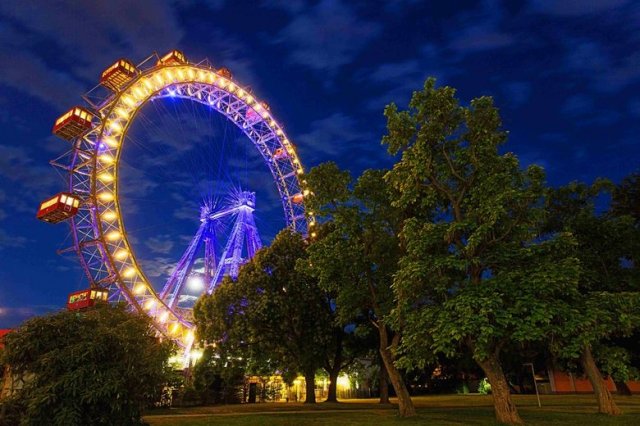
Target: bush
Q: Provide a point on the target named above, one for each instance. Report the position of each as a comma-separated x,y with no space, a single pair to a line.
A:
484,387
102,366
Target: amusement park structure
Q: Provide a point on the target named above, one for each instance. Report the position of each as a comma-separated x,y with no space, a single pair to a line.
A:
90,203
244,232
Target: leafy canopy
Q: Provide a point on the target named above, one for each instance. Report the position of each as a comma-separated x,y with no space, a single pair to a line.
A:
97,367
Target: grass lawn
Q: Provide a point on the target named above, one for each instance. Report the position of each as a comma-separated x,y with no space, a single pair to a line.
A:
579,410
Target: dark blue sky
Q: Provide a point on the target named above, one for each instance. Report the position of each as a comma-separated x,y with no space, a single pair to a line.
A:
565,74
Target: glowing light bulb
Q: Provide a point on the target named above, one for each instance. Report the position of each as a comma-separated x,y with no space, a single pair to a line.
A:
121,254
140,288
122,113
105,177
150,304
109,215
113,236
130,272
106,159
105,196
115,127
110,142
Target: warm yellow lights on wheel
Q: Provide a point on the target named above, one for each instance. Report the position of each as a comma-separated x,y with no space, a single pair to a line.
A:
109,215
113,235
129,272
106,159
186,81
105,177
105,196
121,254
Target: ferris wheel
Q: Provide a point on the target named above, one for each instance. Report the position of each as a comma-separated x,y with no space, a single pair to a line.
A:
91,204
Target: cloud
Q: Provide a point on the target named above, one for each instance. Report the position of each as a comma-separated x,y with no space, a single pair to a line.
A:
89,35
12,316
332,135
578,105
11,241
327,36
480,38
572,8
584,111
517,92
593,62
161,244
398,80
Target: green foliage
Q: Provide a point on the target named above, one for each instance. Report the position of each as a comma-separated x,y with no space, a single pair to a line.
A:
357,250
97,367
607,305
219,377
476,272
484,387
275,315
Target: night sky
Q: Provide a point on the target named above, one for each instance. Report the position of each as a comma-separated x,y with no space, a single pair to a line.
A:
565,74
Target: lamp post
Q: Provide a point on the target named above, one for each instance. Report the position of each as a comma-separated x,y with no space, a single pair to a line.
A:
535,385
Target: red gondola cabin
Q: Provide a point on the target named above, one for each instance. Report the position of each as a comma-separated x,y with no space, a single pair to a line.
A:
86,298
297,199
74,123
175,57
225,72
58,208
279,153
118,74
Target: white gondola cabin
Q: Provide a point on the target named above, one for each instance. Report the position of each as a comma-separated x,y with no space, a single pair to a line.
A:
73,124
60,207
118,74
175,57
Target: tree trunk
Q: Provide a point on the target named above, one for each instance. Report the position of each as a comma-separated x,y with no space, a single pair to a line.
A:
622,388
505,409
405,405
384,384
606,404
332,396
310,386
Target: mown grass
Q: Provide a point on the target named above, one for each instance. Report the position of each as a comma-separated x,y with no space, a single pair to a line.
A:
570,410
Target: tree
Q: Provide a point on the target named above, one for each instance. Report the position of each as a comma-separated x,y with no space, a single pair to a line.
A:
355,256
272,312
475,274
607,306
102,366
626,198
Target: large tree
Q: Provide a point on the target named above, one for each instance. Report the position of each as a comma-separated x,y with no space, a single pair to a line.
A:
356,254
102,366
273,312
475,275
606,309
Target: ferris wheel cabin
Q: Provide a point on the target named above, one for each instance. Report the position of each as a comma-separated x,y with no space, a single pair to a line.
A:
175,57
60,207
225,72
73,124
84,299
118,74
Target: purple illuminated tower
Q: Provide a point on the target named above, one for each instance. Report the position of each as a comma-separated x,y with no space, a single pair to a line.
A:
195,273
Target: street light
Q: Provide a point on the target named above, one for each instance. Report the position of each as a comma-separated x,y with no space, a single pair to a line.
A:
535,385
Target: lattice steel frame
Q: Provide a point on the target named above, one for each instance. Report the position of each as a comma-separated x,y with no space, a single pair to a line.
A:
98,231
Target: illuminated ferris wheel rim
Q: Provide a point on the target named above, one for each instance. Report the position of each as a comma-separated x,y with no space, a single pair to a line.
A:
108,259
